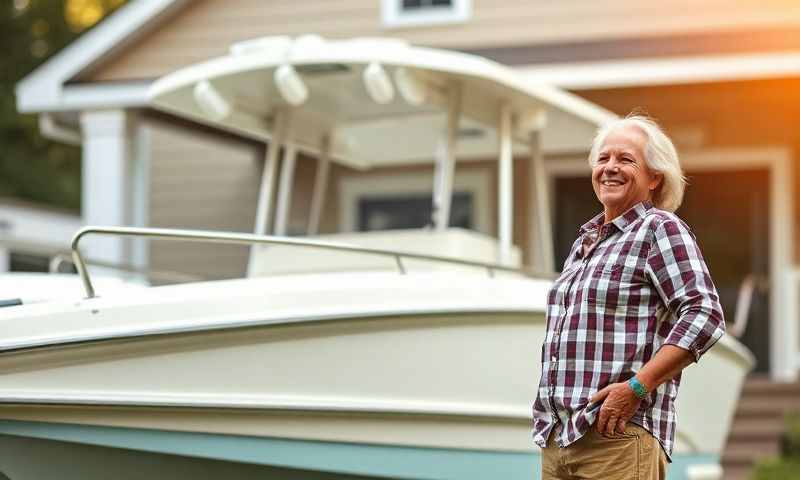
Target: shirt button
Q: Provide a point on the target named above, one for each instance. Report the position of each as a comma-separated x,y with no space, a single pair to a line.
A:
553,358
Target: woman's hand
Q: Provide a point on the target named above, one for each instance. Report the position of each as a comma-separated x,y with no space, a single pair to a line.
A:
619,405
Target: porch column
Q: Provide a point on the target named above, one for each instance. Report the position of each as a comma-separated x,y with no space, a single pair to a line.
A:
113,191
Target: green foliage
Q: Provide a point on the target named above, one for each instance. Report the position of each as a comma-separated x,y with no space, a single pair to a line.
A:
778,469
786,467
791,439
31,167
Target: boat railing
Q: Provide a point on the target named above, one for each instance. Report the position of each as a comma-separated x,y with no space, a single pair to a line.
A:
252,239
58,261
751,284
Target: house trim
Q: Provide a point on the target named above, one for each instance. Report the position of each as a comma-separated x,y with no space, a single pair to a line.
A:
666,45
664,71
91,97
43,88
573,76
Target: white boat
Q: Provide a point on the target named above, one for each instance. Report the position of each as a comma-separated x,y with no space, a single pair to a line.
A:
399,354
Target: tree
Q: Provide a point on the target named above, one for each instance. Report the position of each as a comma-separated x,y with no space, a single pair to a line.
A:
32,167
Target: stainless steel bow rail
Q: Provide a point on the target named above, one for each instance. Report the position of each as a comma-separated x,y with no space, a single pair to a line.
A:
250,239
60,259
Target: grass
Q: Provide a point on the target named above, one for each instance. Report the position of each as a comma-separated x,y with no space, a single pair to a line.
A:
787,466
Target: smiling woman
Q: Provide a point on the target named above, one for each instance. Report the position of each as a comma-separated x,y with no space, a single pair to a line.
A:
634,306
620,176
639,140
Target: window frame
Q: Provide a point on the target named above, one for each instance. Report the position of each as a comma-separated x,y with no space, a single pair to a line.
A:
352,188
393,15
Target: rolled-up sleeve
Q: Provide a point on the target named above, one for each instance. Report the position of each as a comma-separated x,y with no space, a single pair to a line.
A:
681,277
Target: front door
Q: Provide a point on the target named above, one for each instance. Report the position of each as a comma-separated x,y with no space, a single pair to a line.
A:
728,212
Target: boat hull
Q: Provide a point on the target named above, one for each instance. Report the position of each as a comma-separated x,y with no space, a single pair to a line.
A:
455,385
45,451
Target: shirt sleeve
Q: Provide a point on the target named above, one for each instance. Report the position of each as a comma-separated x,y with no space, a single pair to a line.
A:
681,277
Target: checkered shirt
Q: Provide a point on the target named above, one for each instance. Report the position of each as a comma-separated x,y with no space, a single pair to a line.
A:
643,284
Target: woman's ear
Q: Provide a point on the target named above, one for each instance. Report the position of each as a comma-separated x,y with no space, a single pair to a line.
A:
655,182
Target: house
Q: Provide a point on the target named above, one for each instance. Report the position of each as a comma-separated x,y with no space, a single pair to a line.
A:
722,77
31,235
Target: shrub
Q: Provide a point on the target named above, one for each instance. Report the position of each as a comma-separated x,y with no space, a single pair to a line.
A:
787,466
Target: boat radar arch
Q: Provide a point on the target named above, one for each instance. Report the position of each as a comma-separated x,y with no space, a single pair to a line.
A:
367,93
374,102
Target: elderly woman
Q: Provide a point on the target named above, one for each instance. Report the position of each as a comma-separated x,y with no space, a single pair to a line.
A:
634,306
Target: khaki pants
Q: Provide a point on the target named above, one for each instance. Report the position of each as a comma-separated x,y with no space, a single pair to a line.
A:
633,455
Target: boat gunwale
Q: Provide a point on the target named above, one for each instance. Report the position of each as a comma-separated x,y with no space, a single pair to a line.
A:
252,324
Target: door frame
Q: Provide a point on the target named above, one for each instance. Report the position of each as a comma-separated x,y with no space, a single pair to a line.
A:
784,335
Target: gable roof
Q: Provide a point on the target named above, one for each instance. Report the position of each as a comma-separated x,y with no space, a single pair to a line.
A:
49,88
46,89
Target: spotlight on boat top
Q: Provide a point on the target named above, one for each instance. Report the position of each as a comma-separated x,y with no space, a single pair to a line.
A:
290,85
532,121
210,101
379,86
410,88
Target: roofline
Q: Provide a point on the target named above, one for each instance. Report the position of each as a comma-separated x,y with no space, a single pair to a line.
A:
570,76
664,71
42,89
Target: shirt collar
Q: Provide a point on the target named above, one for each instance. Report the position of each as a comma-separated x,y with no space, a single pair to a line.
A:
622,222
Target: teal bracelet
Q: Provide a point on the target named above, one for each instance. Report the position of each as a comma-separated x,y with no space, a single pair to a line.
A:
638,389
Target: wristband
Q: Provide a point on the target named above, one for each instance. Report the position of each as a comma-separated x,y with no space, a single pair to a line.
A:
638,388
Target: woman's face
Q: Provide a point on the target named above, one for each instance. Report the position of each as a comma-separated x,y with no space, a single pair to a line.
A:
621,178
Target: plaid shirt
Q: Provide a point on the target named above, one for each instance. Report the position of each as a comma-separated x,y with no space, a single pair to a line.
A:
643,284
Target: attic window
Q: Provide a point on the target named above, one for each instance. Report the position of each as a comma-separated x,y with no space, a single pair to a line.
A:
411,13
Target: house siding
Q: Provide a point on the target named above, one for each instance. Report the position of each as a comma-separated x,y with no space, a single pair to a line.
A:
200,182
206,28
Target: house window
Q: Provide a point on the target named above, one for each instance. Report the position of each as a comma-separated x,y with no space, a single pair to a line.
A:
403,201
411,211
409,13
25,262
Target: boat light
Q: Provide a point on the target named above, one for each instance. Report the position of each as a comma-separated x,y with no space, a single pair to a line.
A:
379,86
210,101
532,121
290,85
410,88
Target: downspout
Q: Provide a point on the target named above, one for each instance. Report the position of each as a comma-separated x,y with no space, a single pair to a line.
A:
59,132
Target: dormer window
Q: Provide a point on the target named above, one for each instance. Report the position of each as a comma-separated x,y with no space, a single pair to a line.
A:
411,13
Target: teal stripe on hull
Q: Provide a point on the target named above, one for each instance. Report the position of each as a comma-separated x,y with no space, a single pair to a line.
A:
377,461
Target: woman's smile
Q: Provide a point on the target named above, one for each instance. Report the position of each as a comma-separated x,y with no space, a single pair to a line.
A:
620,176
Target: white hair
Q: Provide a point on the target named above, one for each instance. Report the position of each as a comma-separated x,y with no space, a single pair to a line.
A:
660,156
